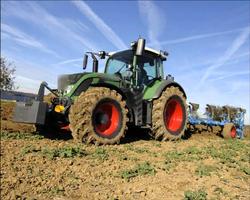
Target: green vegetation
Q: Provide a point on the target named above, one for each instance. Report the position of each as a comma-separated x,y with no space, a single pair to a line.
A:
245,169
100,154
139,170
205,170
57,190
51,153
195,195
219,191
26,136
64,152
231,154
189,154
157,143
29,149
136,149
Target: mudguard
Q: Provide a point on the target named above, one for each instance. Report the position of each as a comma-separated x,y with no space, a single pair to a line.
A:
154,90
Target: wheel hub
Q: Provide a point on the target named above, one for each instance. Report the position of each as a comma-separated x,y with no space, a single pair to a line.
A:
174,115
233,132
101,118
106,118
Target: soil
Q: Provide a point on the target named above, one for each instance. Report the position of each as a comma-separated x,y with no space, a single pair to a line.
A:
35,167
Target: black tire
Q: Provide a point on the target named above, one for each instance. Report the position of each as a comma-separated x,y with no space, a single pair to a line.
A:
90,118
229,131
161,127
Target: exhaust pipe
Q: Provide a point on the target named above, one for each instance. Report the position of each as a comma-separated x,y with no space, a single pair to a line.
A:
95,65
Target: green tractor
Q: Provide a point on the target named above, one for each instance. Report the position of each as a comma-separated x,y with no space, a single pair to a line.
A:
100,107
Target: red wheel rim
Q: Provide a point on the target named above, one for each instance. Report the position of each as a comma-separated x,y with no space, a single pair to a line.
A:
233,132
174,115
106,119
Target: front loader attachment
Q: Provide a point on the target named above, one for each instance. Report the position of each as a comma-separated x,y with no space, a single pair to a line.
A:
33,112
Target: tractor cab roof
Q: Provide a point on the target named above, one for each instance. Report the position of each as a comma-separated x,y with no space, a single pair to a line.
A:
163,55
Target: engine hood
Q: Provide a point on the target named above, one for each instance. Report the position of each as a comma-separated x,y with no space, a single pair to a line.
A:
77,79
68,79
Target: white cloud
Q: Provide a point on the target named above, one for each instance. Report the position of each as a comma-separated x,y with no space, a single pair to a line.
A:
197,37
26,84
238,85
24,39
68,30
29,74
65,62
229,75
100,24
236,44
154,19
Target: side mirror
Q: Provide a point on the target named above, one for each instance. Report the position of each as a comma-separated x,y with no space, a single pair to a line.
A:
102,54
140,47
85,61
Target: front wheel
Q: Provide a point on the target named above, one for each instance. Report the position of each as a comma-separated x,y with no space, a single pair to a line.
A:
169,115
98,116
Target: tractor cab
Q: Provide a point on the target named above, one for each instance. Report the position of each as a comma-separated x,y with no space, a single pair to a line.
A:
139,65
149,66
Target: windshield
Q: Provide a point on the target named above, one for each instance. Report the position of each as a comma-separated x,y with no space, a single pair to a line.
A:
121,64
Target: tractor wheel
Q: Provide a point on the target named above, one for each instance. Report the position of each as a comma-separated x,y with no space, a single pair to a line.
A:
98,116
229,131
169,115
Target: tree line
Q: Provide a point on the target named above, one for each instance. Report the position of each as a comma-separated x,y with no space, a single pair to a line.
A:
7,72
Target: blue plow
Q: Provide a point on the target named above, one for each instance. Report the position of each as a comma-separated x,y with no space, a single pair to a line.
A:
218,116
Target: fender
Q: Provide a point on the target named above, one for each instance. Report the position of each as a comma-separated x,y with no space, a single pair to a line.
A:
168,83
154,91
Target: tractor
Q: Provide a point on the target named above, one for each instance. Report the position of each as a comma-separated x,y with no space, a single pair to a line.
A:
100,107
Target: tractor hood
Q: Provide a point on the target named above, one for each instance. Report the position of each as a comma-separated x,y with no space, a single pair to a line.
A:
81,81
68,79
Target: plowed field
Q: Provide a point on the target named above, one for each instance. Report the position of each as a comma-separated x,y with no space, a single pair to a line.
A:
203,166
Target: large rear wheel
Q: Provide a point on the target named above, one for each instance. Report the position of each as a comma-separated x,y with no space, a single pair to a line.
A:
98,116
169,115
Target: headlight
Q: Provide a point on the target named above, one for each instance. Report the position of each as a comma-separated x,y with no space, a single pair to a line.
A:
69,88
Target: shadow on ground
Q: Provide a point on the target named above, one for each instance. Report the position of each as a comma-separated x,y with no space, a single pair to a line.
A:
56,134
133,134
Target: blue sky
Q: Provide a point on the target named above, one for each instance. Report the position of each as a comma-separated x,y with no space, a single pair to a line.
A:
208,42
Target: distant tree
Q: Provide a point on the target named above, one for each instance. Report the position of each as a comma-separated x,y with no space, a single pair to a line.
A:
7,75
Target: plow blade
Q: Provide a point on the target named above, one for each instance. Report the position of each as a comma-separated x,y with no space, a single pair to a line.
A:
33,112
193,108
218,116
